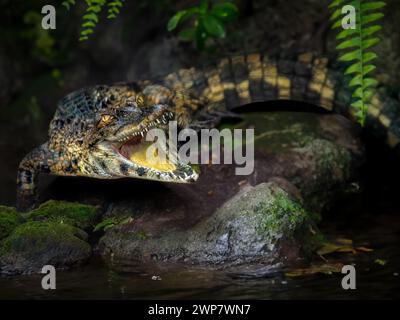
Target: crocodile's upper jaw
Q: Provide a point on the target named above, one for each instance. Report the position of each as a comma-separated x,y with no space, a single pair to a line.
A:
126,155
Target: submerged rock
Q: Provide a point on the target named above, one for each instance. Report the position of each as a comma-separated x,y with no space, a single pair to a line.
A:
35,244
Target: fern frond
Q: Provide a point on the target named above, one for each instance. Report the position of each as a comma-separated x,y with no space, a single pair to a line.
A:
114,7
68,3
358,43
91,18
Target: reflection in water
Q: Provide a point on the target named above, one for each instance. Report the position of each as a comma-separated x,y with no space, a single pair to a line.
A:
96,281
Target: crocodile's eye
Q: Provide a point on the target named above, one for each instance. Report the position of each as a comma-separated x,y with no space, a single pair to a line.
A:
105,120
140,100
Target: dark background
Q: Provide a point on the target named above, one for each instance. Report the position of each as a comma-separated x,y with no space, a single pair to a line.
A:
38,67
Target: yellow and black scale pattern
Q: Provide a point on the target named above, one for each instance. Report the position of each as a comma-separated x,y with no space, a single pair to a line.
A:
249,78
190,93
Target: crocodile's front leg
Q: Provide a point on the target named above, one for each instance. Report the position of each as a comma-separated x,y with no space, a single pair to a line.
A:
35,162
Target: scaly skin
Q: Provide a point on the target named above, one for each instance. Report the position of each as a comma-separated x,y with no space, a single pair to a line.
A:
91,124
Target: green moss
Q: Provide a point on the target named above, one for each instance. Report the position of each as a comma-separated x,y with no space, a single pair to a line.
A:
112,222
9,220
76,214
280,132
38,236
284,215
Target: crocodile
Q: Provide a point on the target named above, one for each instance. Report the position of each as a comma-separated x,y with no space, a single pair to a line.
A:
99,131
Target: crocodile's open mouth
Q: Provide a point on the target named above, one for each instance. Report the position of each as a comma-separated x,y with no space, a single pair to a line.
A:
153,159
145,154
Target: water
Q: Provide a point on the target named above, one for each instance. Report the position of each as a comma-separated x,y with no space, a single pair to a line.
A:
97,281
371,219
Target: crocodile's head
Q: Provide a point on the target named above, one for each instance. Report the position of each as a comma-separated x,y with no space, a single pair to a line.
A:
121,149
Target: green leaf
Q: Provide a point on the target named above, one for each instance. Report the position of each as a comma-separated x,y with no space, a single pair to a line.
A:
359,104
174,21
335,3
225,11
187,34
369,82
371,17
203,6
68,3
88,24
367,95
369,43
86,32
336,14
363,93
369,68
337,24
91,16
115,3
350,56
356,81
365,6
356,67
355,42
95,9
368,56
346,32
359,93
370,30
201,35
213,26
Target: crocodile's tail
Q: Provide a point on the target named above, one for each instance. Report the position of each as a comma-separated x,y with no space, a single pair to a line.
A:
244,79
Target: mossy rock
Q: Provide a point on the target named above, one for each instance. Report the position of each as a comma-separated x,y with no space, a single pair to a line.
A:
37,243
76,214
9,220
283,215
264,224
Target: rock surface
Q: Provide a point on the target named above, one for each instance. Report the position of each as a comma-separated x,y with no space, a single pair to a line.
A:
33,245
302,162
49,235
217,220
260,224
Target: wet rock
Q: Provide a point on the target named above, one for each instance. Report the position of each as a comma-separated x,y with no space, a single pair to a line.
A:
263,224
308,156
218,220
319,154
51,234
35,244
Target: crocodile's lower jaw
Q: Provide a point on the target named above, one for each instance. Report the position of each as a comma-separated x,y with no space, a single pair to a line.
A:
133,156
139,154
